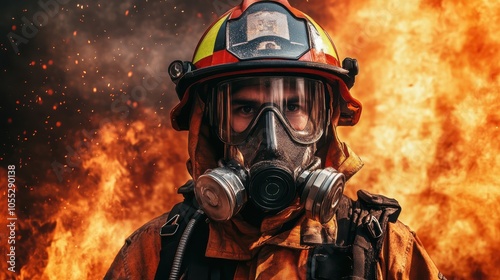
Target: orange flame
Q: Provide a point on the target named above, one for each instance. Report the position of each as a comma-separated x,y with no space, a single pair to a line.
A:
128,175
429,82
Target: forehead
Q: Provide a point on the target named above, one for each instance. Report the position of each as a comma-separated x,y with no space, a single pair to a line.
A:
261,88
261,93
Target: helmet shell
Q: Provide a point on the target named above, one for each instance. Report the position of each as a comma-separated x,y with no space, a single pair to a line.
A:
264,38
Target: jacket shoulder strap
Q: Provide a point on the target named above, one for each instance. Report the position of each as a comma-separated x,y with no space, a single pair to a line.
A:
360,234
375,211
195,265
172,230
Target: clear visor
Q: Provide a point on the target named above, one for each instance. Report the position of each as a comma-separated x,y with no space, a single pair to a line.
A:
298,103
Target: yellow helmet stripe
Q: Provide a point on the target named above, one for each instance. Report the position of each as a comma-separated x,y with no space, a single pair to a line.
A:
206,46
327,43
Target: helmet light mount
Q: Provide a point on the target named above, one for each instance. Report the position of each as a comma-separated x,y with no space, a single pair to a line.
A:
179,68
351,65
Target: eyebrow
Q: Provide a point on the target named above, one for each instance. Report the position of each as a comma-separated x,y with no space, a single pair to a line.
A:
242,101
294,99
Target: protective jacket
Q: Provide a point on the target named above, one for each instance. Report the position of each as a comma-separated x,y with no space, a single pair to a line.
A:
273,252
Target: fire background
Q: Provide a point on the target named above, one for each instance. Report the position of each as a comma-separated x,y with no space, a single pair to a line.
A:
85,101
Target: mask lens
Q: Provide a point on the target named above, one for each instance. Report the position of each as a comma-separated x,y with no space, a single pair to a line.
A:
298,102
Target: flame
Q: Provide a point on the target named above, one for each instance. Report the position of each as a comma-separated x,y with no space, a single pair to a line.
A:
128,174
430,84
430,87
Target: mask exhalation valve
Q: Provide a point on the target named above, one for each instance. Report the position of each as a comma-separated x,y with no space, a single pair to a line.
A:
272,187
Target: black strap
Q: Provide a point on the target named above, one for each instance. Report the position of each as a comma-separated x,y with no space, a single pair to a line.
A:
360,235
195,265
172,230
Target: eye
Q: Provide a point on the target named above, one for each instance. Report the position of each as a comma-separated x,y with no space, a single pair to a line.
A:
244,110
292,107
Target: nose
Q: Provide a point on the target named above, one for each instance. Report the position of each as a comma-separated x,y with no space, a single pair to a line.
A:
270,134
271,139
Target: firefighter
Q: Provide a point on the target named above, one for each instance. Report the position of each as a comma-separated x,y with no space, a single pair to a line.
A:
261,100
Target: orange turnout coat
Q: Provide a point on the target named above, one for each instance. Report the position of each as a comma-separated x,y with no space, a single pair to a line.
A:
263,255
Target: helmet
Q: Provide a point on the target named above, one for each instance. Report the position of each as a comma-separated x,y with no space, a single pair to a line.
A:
264,38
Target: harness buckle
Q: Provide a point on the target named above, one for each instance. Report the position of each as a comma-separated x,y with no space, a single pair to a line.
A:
373,226
170,227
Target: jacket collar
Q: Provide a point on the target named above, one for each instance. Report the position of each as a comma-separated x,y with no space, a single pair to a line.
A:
237,240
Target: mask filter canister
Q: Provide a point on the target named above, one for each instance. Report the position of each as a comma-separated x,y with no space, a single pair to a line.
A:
322,190
221,193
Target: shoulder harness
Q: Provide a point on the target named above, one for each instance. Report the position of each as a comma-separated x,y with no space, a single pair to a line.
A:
360,234
195,265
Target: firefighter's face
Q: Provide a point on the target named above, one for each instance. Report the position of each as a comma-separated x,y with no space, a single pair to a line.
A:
245,106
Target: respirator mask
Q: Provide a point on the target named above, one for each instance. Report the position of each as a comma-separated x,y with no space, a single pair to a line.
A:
269,127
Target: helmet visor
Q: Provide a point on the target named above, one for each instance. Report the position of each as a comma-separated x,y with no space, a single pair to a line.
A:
299,104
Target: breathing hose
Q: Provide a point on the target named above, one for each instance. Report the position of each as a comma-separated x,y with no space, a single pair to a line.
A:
179,254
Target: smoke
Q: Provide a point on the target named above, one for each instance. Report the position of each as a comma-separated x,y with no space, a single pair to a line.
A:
85,104
86,57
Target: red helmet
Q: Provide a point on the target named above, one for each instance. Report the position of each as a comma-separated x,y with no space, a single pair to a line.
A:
264,38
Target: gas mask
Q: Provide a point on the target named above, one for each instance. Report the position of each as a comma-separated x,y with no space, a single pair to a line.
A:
269,127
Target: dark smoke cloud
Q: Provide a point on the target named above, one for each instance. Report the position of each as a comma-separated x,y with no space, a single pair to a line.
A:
110,41
118,47
89,61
